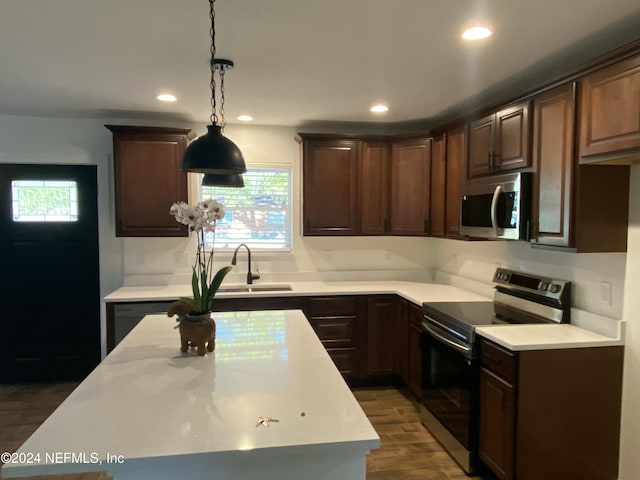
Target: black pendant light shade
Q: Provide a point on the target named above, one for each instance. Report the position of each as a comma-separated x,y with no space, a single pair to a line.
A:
222,180
213,153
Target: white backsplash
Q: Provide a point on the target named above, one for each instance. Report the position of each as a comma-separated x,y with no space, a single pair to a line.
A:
477,261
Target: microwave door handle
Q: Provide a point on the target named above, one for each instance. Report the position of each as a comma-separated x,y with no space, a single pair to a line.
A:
494,209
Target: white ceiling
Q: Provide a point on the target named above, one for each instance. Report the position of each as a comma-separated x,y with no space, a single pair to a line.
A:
297,61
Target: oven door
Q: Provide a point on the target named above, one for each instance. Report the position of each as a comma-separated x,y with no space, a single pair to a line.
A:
450,384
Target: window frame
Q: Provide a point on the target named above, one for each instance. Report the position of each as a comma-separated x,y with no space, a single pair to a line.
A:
258,250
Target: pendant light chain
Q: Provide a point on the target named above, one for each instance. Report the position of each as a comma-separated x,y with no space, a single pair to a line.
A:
214,154
222,120
212,31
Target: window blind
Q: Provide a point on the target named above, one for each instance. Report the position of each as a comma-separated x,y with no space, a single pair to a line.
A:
258,214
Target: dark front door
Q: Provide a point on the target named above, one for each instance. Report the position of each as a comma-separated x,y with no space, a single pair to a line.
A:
49,273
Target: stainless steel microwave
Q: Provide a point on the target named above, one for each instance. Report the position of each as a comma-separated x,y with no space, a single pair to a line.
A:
497,207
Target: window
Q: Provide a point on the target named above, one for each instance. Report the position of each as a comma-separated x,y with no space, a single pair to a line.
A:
44,201
258,214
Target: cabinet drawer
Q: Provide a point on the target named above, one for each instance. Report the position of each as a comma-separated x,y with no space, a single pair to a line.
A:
498,360
331,306
345,360
335,331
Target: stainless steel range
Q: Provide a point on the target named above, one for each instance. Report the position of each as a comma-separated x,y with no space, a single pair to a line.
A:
450,370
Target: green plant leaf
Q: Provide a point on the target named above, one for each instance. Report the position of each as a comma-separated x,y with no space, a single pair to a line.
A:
205,291
197,298
215,284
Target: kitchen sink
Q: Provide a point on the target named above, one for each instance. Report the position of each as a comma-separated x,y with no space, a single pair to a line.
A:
256,288
270,288
233,289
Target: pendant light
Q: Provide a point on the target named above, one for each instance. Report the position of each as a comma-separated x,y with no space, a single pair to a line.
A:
222,180
213,153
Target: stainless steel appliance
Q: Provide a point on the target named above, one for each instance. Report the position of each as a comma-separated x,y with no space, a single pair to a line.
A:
497,207
450,370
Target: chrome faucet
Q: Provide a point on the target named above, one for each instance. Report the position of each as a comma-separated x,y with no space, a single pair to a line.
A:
250,276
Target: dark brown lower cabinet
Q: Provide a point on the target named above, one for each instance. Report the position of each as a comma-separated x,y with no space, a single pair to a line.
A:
497,416
414,367
338,322
381,324
552,414
402,339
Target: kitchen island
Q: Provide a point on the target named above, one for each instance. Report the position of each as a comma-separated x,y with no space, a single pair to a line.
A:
149,411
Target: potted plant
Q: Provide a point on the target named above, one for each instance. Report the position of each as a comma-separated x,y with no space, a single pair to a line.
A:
197,327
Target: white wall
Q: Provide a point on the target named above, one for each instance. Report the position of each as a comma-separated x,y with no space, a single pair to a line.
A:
586,271
630,436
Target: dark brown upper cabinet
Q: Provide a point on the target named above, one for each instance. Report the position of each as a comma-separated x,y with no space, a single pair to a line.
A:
330,187
456,154
500,141
610,112
438,186
374,188
345,186
583,207
437,202
410,182
553,164
148,179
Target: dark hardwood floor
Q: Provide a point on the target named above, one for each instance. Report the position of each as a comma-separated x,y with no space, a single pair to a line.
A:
22,409
407,451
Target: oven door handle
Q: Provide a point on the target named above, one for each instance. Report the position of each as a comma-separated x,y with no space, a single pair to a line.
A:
466,351
494,209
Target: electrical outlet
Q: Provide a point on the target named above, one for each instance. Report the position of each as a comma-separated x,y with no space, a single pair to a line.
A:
606,292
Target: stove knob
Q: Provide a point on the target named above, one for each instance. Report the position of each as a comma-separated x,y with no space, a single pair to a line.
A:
543,286
554,288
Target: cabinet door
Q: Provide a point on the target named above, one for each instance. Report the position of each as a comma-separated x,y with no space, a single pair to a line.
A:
381,314
410,179
481,133
456,154
438,174
330,187
497,424
374,188
610,110
337,322
553,163
512,141
415,350
148,180
401,339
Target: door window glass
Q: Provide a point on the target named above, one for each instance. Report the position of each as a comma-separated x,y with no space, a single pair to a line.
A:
44,201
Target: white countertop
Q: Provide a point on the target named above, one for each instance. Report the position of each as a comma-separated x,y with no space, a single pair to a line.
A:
514,337
544,337
148,401
413,291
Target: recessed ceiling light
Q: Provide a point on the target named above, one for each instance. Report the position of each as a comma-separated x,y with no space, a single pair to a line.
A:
379,109
166,97
476,33
245,118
